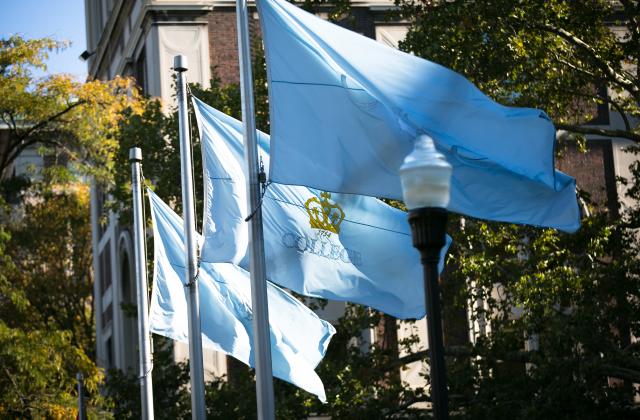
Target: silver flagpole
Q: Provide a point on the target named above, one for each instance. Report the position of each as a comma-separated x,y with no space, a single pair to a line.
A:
144,341
82,415
191,264
261,341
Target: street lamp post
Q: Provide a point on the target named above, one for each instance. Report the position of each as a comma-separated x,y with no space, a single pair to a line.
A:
426,177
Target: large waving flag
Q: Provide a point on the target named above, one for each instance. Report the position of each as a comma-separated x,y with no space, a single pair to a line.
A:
299,339
336,246
345,111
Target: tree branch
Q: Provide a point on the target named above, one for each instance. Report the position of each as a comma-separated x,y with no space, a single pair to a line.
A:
627,124
574,67
406,404
51,118
8,119
620,78
621,373
521,357
49,140
605,99
462,351
581,129
23,399
22,140
631,347
22,145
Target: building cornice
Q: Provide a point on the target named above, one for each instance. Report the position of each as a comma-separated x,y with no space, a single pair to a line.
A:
105,36
155,8
153,12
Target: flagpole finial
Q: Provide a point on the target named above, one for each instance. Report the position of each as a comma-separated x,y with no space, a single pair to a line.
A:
180,63
135,154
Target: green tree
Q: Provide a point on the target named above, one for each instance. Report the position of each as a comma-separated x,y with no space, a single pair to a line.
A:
40,353
46,318
562,56
577,295
39,374
50,248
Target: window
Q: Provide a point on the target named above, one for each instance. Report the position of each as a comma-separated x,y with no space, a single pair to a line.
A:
110,352
107,316
105,268
139,71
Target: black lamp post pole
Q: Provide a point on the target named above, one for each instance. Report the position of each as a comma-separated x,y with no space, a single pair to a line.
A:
428,228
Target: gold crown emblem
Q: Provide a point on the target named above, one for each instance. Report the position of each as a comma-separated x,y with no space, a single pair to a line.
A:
324,214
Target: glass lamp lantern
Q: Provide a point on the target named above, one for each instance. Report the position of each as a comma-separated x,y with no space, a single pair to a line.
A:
425,176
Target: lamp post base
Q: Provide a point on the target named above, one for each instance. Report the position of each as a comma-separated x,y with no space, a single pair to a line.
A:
428,228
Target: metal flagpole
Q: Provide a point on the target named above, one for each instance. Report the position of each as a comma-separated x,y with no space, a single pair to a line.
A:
191,264
261,340
82,415
144,341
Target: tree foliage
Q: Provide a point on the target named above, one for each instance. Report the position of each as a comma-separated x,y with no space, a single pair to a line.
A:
572,299
565,57
38,374
63,118
50,250
46,306
46,329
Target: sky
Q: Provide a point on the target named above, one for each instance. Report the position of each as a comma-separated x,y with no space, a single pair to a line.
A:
59,19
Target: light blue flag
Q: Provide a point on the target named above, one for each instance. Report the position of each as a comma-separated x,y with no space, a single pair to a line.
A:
299,339
346,109
335,246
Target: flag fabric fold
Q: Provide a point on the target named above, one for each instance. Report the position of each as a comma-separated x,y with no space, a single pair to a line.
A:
335,246
346,109
299,339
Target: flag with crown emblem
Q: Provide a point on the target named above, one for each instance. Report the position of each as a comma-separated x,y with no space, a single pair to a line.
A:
299,338
345,111
336,246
